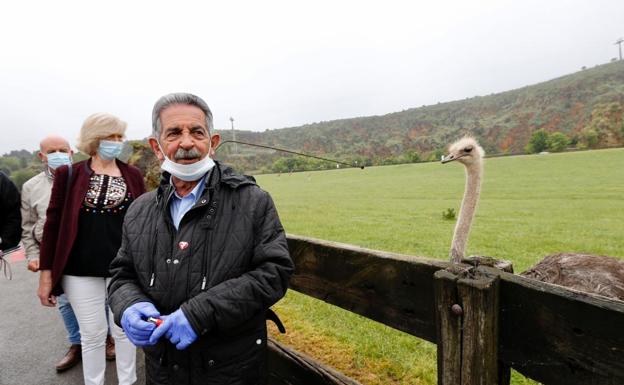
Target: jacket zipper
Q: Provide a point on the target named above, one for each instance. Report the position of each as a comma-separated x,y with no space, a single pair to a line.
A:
205,264
160,207
212,190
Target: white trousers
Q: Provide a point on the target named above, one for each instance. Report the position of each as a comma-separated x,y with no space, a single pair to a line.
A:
87,296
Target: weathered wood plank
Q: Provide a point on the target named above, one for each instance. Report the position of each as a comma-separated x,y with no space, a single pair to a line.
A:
559,336
289,367
393,289
449,328
479,341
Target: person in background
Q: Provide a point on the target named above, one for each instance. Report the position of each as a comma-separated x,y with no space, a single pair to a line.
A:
206,253
54,151
81,236
10,216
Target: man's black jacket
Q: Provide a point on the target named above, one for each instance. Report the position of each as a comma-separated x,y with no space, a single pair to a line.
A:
225,266
10,214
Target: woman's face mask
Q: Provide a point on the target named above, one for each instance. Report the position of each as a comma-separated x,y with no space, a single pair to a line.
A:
109,149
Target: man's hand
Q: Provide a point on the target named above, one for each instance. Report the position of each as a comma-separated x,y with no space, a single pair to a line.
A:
45,288
177,329
133,322
33,265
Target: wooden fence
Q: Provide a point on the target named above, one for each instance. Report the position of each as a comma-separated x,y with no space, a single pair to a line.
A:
483,326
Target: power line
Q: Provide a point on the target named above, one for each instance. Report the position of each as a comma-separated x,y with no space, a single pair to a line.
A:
290,152
619,43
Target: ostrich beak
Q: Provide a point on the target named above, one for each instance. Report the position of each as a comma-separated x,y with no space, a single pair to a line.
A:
451,157
448,158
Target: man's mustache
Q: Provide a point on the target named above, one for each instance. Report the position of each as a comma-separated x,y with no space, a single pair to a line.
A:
193,153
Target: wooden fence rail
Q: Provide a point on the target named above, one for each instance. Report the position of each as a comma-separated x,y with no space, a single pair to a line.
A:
289,367
549,333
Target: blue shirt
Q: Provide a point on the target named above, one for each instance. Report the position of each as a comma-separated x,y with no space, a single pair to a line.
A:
181,205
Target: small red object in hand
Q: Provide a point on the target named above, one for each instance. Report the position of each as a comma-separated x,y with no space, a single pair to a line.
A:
155,321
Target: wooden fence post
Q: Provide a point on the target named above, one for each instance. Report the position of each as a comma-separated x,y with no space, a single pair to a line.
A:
448,321
467,314
480,330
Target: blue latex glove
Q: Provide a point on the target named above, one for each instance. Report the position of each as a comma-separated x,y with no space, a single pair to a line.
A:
177,329
134,325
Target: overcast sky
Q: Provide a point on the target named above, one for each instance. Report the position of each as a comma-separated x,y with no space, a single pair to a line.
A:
273,64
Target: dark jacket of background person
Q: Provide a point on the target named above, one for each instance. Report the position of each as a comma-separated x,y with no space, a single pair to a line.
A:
237,246
61,226
10,215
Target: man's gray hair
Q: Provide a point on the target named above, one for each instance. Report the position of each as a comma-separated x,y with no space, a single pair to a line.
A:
178,98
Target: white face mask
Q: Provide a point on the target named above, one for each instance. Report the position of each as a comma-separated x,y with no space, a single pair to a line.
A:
187,172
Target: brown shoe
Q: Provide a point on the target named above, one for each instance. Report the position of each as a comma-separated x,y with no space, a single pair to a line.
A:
110,348
71,359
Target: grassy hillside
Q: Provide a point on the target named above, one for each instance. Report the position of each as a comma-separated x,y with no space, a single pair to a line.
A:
587,106
531,206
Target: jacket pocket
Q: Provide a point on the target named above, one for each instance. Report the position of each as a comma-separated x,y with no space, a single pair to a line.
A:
240,361
156,372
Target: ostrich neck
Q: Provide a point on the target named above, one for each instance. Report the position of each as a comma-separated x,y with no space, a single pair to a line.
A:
467,211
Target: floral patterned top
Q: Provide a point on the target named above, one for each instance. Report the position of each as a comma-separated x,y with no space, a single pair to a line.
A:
99,227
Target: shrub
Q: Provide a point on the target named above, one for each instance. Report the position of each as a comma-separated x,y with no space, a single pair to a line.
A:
589,138
538,142
19,177
448,214
436,155
558,142
412,157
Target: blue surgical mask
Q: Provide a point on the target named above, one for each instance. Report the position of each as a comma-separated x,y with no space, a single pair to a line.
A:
57,159
109,149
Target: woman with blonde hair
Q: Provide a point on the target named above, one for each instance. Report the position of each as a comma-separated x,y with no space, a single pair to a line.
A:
81,236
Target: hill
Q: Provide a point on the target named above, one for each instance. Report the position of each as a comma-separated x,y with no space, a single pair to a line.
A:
581,110
586,106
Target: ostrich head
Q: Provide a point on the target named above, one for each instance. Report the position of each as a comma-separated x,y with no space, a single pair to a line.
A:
466,151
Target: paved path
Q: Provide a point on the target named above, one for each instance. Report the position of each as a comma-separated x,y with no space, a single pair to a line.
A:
32,337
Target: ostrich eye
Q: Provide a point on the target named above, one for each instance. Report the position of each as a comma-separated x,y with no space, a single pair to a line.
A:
467,149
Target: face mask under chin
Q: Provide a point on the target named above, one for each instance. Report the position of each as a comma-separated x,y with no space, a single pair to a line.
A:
187,172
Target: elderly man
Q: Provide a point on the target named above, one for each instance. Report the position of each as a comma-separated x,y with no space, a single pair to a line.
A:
54,151
204,257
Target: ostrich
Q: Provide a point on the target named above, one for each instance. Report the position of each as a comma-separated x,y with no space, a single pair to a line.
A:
468,152
595,274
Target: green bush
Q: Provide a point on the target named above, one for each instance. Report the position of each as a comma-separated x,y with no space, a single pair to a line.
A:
557,142
435,155
538,142
19,177
448,214
412,157
589,138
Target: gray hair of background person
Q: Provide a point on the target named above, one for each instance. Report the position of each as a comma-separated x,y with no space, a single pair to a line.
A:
97,127
178,98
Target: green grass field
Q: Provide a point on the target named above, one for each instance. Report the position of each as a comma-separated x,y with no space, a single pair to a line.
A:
530,206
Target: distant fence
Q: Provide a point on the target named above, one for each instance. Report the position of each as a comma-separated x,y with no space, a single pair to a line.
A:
482,326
